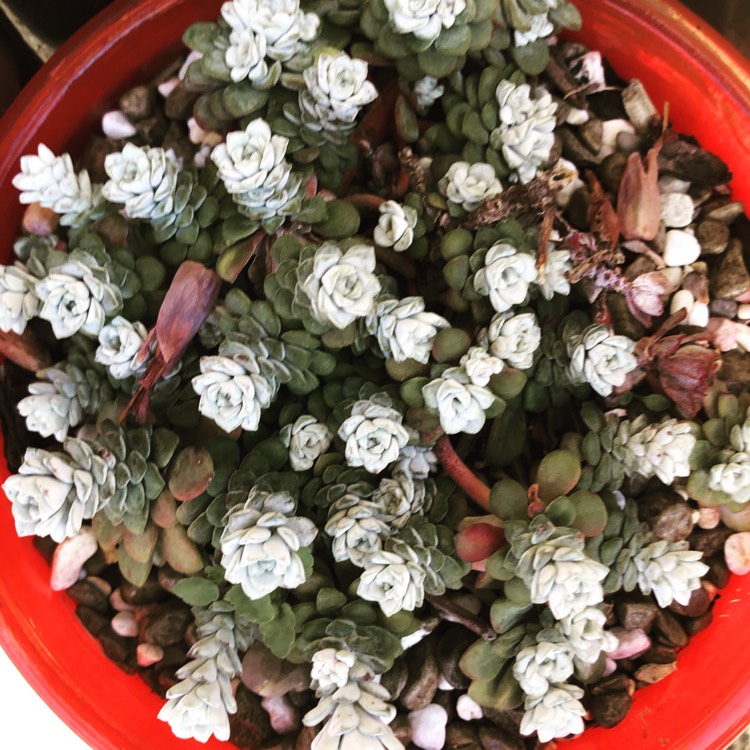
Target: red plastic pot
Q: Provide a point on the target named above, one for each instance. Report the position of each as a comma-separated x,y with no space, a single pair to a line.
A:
701,707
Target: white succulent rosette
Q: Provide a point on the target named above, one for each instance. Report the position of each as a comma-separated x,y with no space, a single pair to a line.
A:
732,477
585,634
552,278
261,541
468,185
394,582
143,179
505,276
560,574
739,435
52,182
18,300
307,440
401,497
53,493
661,450
427,91
540,27
426,19
416,461
331,668
404,329
77,296
514,339
336,89
537,666
246,59
526,133
600,358
480,365
232,394
459,403
558,713
357,527
669,570
253,167
280,26
341,286
359,714
374,434
120,344
199,705
395,226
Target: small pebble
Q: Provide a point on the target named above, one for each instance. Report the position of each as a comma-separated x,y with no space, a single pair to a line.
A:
633,615
680,248
69,558
727,213
124,624
165,88
115,125
40,221
148,654
677,209
611,130
699,623
494,738
628,143
743,311
461,736
731,278
428,727
708,518
577,116
669,184
444,684
609,709
119,604
737,553
610,666
468,709
671,629
723,308
713,236
630,643
284,717
652,673
698,604
200,136
638,105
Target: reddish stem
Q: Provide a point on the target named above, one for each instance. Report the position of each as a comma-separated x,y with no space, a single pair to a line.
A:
460,473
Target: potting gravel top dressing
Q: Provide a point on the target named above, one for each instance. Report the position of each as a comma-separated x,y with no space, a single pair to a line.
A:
376,379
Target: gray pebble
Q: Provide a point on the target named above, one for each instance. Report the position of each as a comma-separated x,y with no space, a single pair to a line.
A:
713,236
731,278
727,213
638,105
723,308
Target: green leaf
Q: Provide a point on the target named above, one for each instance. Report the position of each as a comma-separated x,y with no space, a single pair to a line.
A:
195,591
259,611
558,472
561,511
508,500
590,513
279,634
501,693
505,614
479,662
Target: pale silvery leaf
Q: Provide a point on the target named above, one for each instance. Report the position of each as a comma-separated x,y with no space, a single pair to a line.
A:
199,705
670,570
460,404
330,668
558,713
480,365
142,178
539,665
586,635
280,26
52,182
18,300
230,394
600,358
552,277
52,494
307,439
739,435
400,497
357,527
514,338
404,329
416,461
661,450
374,435
341,286
396,584
539,27
395,226
468,185
423,18
336,89
120,342
732,477
506,276
526,133
260,543
78,296
245,58
253,168
427,91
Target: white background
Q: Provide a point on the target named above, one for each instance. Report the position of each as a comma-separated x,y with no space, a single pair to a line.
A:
27,722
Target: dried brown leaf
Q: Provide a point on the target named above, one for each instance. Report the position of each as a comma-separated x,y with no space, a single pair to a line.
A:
639,199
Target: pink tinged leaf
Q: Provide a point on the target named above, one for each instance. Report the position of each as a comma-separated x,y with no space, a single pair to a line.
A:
478,542
639,200
646,295
191,297
687,376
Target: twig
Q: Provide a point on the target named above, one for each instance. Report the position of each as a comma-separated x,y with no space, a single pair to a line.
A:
471,484
453,612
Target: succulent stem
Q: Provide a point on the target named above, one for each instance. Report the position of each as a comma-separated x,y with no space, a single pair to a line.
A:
453,612
460,473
